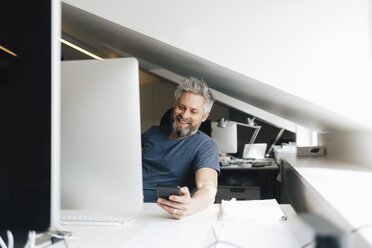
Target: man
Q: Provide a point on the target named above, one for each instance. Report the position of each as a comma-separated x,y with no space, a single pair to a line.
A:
182,155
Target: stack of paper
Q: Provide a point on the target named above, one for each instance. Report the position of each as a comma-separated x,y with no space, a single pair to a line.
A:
252,210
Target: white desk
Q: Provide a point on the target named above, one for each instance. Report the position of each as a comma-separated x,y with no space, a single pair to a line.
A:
336,189
109,236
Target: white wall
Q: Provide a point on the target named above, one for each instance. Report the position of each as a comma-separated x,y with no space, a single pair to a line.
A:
352,147
317,50
263,115
156,99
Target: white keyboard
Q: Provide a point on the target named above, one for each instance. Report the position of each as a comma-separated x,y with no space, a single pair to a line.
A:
95,220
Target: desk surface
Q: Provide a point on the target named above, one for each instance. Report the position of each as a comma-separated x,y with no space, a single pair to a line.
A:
109,236
248,166
341,190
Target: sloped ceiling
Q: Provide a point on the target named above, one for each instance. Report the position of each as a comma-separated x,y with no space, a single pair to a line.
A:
109,39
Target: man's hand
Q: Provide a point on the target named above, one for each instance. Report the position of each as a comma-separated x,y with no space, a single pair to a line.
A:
178,206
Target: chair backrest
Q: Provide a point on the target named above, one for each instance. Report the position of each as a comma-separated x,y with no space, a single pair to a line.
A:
166,121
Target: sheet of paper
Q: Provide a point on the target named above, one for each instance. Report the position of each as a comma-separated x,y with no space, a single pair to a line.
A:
251,210
169,235
255,234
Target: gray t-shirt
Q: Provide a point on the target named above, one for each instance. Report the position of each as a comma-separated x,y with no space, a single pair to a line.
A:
174,162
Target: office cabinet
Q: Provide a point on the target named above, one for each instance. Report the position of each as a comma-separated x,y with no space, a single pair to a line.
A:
248,183
226,192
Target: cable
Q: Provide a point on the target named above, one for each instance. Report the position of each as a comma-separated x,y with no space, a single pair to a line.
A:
31,240
214,244
32,236
2,243
65,242
307,244
217,236
10,239
59,233
60,227
62,236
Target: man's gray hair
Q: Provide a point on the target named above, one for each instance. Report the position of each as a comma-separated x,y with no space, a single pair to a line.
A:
198,87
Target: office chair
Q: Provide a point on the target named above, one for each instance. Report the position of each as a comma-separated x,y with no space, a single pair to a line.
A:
166,121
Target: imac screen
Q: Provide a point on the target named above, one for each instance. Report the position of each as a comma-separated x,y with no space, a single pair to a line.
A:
226,138
101,166
25,109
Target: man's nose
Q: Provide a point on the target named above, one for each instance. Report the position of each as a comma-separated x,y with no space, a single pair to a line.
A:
186,114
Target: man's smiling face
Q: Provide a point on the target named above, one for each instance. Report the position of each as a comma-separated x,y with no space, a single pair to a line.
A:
188,114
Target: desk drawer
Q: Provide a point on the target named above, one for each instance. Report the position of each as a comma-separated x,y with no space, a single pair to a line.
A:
240,193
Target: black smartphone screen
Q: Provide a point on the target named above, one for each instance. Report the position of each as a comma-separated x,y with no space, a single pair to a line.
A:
164,191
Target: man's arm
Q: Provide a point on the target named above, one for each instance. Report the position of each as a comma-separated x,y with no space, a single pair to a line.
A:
206,183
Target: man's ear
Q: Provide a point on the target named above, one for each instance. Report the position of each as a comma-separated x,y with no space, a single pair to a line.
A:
205,116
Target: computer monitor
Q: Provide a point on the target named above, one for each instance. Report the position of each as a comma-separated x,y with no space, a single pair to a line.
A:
101,166
254,151
29,107
226,138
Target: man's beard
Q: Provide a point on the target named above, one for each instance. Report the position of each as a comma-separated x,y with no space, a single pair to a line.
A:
186,132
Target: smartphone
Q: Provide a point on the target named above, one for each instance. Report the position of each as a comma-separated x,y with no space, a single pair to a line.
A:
164,191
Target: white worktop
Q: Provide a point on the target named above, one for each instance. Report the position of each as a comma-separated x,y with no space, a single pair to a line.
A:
111,236
346,187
